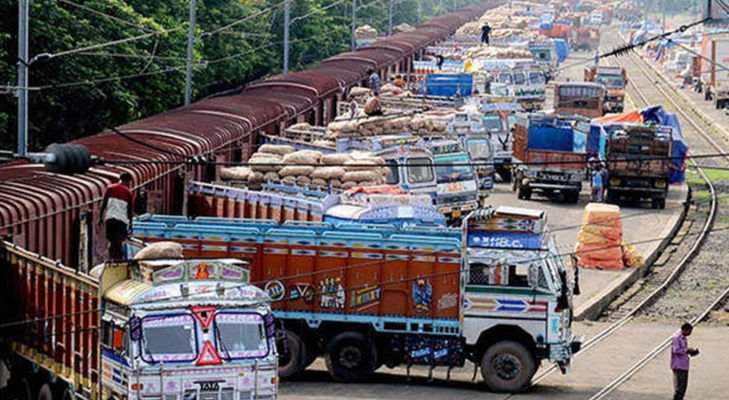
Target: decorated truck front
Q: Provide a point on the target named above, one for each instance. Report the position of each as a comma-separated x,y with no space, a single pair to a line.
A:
186,329
402,296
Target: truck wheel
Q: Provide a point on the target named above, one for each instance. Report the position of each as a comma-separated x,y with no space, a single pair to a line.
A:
45,392
24,390
292,357
523,192
508,366
571,196
351,357
612,197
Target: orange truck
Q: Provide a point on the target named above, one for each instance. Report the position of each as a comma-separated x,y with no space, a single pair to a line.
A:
615,79
161,329
494,292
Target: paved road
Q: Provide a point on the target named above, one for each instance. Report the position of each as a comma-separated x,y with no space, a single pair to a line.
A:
707,381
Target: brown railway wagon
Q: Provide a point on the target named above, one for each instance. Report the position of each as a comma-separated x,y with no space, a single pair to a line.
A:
54,215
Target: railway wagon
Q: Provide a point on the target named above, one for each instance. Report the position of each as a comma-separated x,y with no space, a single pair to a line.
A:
54,215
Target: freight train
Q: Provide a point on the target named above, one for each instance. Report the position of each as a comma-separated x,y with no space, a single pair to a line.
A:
53,214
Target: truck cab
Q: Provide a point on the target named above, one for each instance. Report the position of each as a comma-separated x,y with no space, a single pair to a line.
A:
186,329
528,86
411,168
518,296
457,187
614,79
579,98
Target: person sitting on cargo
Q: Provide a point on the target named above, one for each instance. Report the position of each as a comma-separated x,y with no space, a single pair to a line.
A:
373,106
117,211
439,61
399,82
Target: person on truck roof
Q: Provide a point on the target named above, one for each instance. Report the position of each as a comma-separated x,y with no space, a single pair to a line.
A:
485,32
373,106
117,211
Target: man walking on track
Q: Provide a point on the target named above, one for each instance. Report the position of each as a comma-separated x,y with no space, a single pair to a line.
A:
117,210
680,353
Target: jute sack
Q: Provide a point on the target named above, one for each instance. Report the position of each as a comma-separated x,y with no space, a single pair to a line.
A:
276,149
160,250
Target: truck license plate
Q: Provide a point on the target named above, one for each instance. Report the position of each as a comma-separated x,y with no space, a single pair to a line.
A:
455,187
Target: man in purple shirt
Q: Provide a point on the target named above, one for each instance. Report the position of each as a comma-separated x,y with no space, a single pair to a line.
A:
680,353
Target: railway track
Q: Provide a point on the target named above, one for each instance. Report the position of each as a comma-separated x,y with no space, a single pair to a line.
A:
648,87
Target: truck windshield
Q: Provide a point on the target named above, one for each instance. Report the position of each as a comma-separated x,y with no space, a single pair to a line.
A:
393,175
542,55
537,78
420,170
506,77
480,149
169,338
453,168
241,335
520,78
492,123
610,81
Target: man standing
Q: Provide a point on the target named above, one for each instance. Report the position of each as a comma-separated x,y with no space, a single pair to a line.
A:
485,31
680,353
117,210
596,185
375,82
605,175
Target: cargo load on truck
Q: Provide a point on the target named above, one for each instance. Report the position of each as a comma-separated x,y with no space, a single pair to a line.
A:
639,163
401,296
550,154
579,98
144,329
281,203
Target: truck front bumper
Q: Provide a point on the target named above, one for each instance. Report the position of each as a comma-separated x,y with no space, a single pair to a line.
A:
456,210
553,186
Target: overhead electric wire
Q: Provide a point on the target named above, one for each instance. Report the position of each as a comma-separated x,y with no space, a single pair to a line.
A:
316,11
115,78
105,15
242,20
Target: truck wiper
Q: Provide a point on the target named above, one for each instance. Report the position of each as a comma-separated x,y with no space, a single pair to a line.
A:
222,344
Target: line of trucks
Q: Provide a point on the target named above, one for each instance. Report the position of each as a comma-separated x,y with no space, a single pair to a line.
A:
256,299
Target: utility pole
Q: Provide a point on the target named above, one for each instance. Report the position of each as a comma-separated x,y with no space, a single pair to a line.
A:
389,20
354,24
190,45
22,78
287,22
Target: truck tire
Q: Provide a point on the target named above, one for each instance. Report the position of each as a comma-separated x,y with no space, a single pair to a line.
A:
508,366
291,361
23,390
612,197
571,196
45,392
523,192
351,357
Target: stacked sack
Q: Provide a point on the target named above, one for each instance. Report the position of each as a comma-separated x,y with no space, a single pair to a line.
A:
376,126
277,163
365,32
600,238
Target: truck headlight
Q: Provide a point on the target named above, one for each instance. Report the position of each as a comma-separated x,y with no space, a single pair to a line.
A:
614,181
660,184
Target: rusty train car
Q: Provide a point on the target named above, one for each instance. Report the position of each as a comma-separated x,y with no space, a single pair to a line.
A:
55,215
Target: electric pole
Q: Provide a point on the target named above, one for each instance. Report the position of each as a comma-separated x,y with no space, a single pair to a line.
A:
190,46
354,24
389,22
22,78
287,22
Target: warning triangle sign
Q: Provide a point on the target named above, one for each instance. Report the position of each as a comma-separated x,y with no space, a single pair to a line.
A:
208,355
204,314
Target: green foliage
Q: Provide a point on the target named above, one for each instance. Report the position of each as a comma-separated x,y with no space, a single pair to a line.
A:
81,94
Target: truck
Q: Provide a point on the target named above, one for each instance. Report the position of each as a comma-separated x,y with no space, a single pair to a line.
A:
457,179
281,202
497,119
577,98
586,38
716,49
639,163
529,85
550,155
495,292
614,79
172,329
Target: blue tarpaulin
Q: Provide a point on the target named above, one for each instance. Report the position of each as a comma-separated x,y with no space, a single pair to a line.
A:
449,85
562,49
550,138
